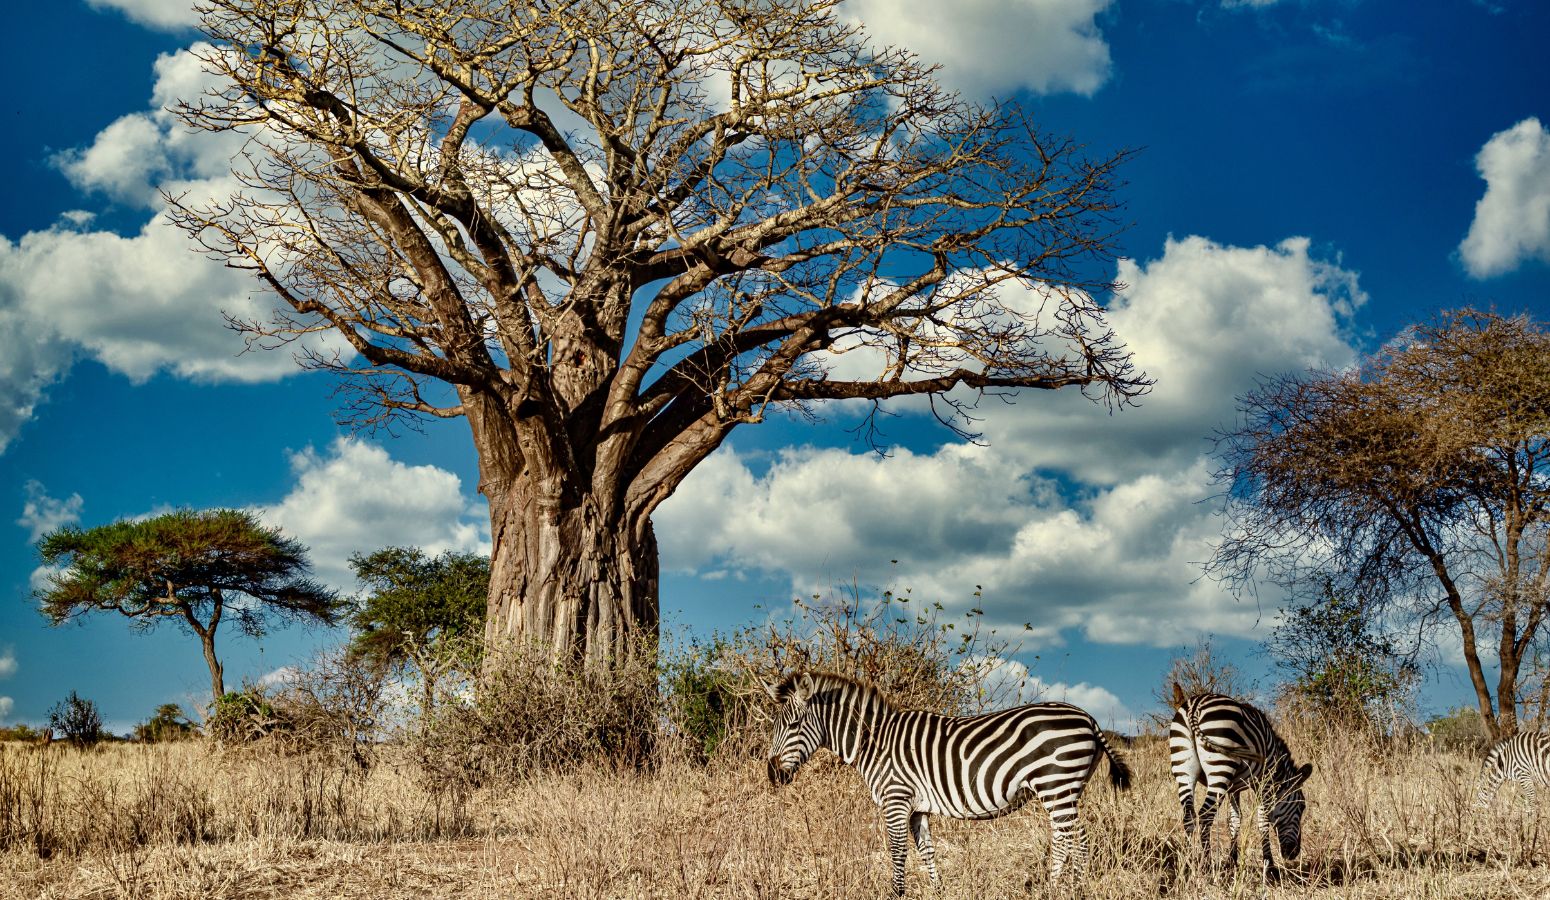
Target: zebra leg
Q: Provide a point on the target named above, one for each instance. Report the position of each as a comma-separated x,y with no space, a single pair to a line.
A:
1208,807
922,834
896,815
1068,842
1262,822
1526,783
1187,801
1234,826
1074,840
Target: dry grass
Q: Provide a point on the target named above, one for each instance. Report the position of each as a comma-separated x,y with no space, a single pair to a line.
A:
183,821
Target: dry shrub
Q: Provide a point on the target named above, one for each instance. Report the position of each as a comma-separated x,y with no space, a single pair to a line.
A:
1200,671
334,707
529,714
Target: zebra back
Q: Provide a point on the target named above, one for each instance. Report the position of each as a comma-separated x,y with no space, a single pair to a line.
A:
1524,758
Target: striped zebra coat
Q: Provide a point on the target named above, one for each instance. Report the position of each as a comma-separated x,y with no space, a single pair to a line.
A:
1228,746
1524,758
919,764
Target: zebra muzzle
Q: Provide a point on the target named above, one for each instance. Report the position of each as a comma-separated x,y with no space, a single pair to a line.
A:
778,775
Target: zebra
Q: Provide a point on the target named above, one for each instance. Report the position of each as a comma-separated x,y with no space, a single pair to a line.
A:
1524,758
919,763
1228,746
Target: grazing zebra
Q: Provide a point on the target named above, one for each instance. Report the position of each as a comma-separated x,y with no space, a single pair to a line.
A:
1228,745
1524,758
968,767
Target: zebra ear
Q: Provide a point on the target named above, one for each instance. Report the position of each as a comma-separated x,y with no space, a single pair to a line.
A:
805,687
1178,695
1303,771
770,689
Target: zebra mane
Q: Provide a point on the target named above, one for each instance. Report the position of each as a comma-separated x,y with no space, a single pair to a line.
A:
823,681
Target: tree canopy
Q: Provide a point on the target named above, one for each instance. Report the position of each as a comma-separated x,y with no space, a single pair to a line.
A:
198,568
1415,485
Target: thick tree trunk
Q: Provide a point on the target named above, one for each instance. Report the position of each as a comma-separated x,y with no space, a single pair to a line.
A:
569,579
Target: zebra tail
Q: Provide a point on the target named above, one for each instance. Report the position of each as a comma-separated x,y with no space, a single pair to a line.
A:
1119,770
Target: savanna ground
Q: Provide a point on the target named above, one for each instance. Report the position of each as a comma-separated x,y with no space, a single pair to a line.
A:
186,820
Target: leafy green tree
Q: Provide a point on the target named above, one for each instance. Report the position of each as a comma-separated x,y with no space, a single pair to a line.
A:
76,720
1339,662
169,723
417,610
196,567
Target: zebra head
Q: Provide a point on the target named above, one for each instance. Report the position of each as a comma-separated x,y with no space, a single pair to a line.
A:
798,729
1287,812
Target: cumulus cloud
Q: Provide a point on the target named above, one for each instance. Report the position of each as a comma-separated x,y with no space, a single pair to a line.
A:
7,663
1070,519
32,357
6,705
167,15
1512,220
278,677
355,498
997,46
42,513
1204,320
139,303
1009,682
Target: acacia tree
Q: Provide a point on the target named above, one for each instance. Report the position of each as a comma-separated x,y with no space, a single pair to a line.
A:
417,610
197,568
607,234
1415,485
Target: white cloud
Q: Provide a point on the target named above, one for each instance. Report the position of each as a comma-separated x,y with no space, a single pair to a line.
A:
31,358
356,499
7,663
1070,519
42,514
139,303
6,705
168,15
1203,320
998,46
279,677
1512,220
1010,682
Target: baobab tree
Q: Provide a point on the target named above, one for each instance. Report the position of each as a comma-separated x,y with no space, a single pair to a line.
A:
607,234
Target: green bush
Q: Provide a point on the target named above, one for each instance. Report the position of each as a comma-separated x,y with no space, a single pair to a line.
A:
1459,729
75,719
168,724
704,696
20,732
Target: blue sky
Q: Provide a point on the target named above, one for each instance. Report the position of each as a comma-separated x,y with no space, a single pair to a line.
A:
1313,175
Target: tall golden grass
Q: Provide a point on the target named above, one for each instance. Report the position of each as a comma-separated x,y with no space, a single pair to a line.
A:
186,820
